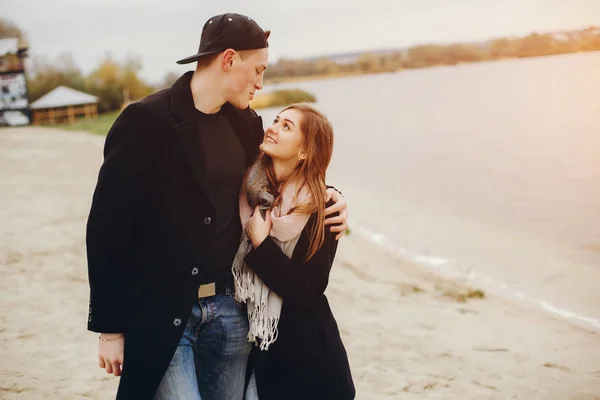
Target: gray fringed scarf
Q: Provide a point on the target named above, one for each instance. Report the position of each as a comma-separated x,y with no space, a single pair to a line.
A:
264,306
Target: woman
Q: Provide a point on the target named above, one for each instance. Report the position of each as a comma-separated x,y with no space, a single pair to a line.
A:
282,266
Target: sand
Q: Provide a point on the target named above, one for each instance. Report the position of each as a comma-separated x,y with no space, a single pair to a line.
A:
409,333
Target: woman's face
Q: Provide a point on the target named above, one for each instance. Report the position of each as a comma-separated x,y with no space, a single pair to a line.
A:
283,139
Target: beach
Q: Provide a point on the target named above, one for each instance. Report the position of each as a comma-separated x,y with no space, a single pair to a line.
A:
409,333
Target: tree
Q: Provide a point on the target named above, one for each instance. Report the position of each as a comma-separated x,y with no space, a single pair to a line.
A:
536,45
45,75
368,63
134,88
501,48
116,84
105,83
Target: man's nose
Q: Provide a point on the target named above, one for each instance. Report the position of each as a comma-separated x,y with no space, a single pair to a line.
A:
259,83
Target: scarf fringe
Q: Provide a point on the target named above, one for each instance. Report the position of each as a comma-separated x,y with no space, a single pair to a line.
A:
244,285
263,330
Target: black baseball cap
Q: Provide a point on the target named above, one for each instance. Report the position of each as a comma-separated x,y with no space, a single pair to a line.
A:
229,31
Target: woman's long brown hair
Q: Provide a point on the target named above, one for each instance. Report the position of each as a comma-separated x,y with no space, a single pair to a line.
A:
317,138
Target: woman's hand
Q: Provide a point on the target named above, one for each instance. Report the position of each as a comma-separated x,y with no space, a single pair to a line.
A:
258,228
110,354
340,222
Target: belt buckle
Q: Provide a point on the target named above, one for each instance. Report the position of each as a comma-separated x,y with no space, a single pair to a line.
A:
207,290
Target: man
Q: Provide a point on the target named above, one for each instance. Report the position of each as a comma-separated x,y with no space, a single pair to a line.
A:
164,225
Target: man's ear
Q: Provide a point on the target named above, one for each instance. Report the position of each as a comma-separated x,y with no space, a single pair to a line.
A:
228,59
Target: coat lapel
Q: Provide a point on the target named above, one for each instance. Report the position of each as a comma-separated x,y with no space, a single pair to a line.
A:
182,105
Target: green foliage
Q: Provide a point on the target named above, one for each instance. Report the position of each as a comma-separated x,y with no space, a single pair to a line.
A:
282,98
462,295
117,83
105,82
290,96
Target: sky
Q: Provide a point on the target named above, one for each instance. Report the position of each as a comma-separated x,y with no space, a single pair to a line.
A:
161,32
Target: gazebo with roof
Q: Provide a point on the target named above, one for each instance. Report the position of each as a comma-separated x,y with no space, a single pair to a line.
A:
63,104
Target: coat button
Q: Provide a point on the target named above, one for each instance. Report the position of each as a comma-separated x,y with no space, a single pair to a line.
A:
195,271
177,321
207,220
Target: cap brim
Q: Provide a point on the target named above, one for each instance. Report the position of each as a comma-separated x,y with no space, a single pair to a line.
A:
195,57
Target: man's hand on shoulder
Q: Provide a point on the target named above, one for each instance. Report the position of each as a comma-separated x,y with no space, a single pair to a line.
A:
339,222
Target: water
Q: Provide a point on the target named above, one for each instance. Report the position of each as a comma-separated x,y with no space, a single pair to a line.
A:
488,171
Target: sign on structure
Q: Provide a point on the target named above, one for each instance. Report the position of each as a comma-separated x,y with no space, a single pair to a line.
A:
14,103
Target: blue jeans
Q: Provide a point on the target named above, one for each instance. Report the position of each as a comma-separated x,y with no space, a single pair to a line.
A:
252,389
210,360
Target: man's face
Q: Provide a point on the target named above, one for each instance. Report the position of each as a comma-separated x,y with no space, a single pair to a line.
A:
245,76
